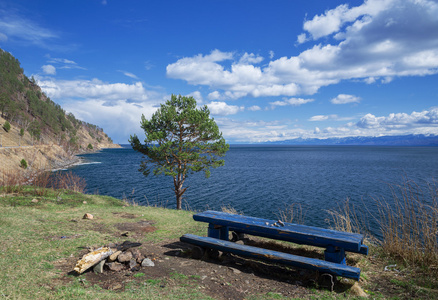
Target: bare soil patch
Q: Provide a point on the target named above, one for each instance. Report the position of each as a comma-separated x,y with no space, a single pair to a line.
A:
224,277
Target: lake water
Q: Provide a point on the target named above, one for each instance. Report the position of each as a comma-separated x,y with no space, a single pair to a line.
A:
261,181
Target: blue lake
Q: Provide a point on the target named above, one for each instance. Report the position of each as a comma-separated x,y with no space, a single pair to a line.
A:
263,180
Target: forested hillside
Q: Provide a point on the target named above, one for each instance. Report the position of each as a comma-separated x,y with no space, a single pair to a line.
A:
35,117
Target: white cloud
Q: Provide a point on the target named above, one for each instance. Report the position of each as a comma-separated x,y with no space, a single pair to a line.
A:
426,118
332,20
302,38
324,118
376,42
129,74
197,95
93,89
223,109
120,120
291,101
319,118
345,99
107,105
254,108
250,58
425,122
271,54
15,27
63,63
49,69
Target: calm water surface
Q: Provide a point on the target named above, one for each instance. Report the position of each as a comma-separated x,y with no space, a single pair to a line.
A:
263,180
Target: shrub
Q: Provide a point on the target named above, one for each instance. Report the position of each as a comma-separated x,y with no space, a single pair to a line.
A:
21,132
69,181
90,146
7,126
23,163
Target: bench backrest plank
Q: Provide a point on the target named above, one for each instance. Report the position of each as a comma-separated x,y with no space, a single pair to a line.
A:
295,233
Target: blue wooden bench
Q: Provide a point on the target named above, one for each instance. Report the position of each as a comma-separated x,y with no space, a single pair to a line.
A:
336,243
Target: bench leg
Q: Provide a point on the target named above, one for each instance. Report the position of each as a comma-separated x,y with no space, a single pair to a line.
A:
218,232
335,254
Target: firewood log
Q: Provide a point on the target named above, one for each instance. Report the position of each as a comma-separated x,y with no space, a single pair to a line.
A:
92,258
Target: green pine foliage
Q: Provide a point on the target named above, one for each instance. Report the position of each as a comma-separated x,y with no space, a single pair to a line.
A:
180,139
23,163
7,126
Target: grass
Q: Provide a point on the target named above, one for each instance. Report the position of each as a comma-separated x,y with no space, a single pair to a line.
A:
409,230
32,241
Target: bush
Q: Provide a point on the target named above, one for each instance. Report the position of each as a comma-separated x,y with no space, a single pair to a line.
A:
21,132
90,146
23,163
7,126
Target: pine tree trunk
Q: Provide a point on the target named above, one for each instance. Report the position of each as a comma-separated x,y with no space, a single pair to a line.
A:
179,190
178,201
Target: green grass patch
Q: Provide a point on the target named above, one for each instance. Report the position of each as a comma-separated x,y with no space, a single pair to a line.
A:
38,234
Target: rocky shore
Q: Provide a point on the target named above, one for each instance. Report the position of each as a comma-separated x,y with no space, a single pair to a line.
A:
39,157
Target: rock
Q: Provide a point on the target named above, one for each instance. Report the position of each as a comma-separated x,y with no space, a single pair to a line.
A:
132,263
235,271
114,256
116,286
85,202
126,233
124,257
99,267
34,200
115,266
356,290
88,216
147,263
137,255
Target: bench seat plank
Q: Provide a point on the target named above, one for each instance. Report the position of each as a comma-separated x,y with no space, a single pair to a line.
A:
274,256
299,234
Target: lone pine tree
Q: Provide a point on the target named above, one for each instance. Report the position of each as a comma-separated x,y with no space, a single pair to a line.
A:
180,139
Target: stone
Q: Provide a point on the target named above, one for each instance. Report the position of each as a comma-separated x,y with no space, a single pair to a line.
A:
147,263
113,257
99,267
235,271
85,202
88,216
34,200
137,255
115,266
117,286
132,263
124,257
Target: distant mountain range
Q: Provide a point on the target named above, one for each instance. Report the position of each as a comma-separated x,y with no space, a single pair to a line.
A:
401,140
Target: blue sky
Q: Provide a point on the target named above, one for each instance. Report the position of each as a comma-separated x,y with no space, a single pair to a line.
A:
268,70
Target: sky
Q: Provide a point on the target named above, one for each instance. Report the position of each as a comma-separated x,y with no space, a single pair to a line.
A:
267,70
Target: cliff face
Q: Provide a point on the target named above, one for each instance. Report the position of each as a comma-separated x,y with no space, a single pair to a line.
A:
34,128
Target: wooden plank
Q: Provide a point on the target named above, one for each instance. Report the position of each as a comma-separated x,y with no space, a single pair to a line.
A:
273,256
295,233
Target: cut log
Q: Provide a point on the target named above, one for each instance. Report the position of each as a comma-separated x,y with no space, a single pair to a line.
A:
92,258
